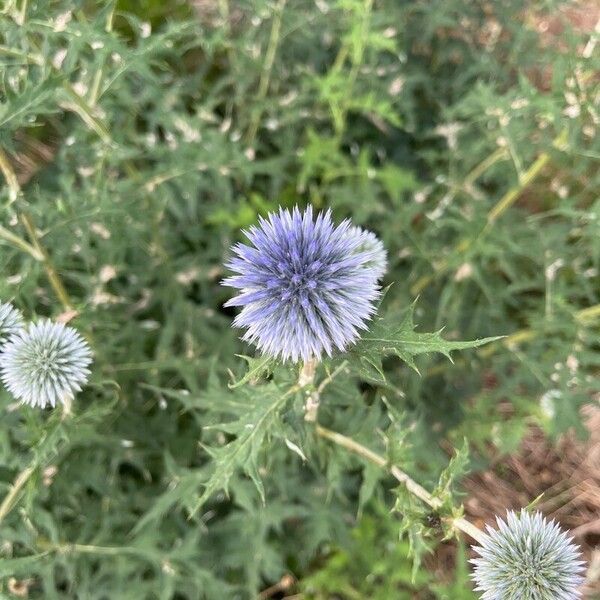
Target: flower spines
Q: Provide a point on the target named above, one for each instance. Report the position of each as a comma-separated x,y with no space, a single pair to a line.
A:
307,287
45,364
527,558
11,321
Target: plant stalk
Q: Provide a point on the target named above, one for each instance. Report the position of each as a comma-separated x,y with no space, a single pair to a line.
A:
35,249
411,485
265,77
51,272
11,498
306,379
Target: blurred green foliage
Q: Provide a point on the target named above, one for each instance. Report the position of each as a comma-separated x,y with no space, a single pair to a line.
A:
146,135
376,564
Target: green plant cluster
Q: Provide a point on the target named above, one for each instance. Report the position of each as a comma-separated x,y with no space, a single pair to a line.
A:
138,140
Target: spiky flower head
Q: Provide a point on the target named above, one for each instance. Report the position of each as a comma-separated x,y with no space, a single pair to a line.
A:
306,286
45,363
11,320
527,558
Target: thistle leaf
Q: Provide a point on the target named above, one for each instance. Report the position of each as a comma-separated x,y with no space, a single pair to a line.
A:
390,337
257,367
252,430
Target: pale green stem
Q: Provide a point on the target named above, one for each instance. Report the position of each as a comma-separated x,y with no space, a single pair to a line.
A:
411,485
11,498
95,91
265,77
10,176
51,272
306,379
35,249
16,241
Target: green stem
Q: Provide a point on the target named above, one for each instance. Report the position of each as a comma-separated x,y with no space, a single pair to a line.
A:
265,77
16,241
11,498
10,176
95,91
89,549
306,379
340,117
35,249
51,272
411,485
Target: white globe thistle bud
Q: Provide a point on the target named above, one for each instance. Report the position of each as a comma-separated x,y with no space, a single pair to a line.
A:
527,558
11,320
45,363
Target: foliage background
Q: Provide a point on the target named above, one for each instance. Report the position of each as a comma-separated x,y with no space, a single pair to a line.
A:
138,139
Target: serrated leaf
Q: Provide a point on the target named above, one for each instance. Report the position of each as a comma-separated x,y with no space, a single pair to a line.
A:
252,429
389,337
257,367
456,468
35,99
413,526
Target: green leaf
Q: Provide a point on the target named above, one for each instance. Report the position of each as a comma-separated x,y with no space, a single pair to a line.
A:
252,430
414,515
257,367
389,337
456,468
23,565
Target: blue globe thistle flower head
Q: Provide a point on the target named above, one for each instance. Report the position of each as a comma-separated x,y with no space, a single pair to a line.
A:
45,364
307,287
11,320
527,558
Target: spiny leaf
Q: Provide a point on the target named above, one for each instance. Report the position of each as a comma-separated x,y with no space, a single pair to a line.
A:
251,429
456,468
257,367
389,337
413,526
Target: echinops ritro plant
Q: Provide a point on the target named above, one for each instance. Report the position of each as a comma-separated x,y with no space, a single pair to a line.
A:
45,363
307,287
527,558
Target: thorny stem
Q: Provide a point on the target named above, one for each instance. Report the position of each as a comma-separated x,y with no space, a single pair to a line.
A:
411,485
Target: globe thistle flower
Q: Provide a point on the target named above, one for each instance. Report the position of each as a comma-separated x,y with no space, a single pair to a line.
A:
11,320
306,286
45,363
527,558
